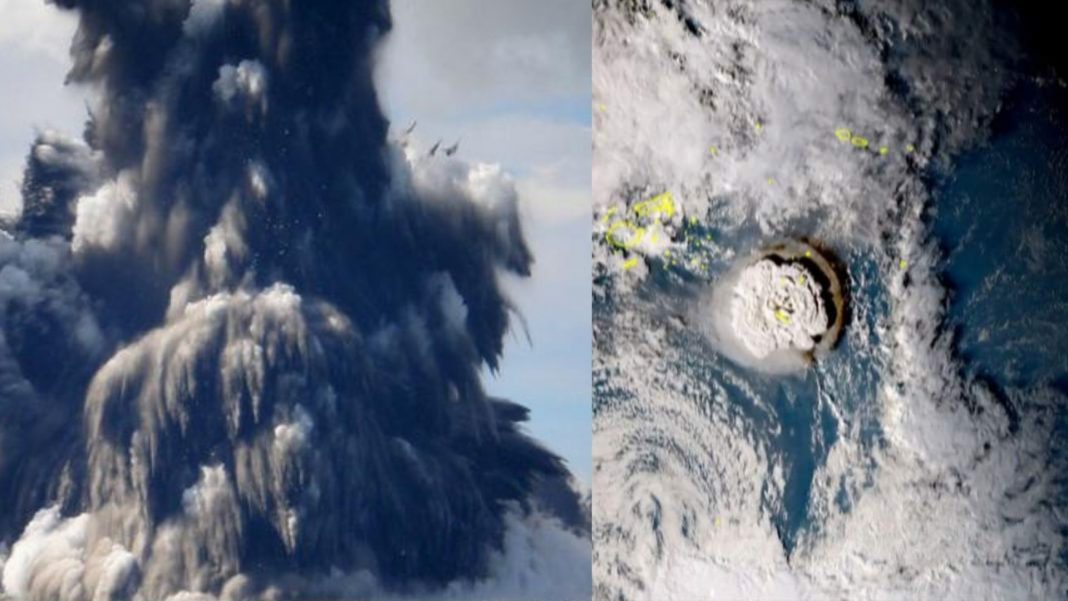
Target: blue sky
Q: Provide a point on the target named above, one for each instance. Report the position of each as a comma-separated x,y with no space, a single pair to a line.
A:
510,79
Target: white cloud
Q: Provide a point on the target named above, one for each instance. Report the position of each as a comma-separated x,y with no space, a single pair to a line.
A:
549,161
203,14
293,436
539,560
248,79
52,561
208,493
224,245
105,219
259,181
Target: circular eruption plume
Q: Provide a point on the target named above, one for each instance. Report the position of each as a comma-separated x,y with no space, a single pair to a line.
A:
778,310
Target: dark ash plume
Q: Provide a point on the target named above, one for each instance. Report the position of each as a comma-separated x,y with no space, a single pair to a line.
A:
241,331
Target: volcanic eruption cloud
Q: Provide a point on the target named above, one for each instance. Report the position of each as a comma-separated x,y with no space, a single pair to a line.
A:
241,330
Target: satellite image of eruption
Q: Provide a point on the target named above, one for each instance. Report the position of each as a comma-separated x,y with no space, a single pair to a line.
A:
241,329
830,284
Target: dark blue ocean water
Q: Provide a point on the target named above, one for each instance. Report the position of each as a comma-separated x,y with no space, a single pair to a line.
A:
1002,219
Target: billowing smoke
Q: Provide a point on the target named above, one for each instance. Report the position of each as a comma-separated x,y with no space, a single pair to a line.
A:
889,471
241,331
